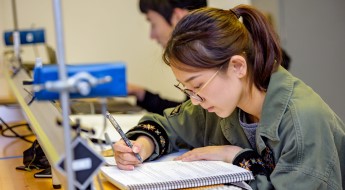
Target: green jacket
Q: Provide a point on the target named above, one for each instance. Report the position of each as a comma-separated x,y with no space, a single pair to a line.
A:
307,138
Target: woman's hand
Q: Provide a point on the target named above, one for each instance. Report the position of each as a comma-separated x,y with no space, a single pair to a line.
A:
124,155
224,153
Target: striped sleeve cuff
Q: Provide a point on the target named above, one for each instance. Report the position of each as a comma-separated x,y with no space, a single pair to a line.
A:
155,132
250,160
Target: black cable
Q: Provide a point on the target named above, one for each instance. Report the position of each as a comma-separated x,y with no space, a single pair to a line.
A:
16,135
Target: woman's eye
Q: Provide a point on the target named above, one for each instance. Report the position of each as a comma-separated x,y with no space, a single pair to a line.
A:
197,87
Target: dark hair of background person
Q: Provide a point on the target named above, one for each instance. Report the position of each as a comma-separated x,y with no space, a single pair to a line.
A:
209,37
166,7
286,61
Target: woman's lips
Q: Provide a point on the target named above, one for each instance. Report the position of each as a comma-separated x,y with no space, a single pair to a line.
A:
210,109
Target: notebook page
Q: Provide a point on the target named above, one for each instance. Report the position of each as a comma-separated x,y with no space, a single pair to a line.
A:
110,160
158,172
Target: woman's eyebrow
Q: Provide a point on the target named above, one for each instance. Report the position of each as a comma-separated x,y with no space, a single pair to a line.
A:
191,78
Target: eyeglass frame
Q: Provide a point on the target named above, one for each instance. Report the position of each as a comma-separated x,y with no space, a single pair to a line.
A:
195,95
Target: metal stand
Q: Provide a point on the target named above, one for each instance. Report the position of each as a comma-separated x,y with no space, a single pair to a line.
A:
81,83
64,94
16,36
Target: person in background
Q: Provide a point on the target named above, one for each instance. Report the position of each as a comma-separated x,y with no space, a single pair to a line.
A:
244,107
162,15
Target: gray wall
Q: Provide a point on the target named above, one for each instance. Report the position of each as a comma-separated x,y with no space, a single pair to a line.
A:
312,32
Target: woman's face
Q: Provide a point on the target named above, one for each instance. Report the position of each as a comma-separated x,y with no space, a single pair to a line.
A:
221,94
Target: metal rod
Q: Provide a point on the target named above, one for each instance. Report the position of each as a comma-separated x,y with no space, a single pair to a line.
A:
64,95
14,12
16,34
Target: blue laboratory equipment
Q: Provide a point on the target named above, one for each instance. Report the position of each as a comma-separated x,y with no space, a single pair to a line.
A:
84,81
30,36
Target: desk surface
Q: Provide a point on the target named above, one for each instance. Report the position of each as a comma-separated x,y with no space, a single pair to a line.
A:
11,157
12,152
12,179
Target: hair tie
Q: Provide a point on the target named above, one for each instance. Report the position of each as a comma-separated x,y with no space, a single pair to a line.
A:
233,11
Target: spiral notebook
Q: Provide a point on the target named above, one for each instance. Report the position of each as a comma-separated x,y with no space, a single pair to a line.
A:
176,175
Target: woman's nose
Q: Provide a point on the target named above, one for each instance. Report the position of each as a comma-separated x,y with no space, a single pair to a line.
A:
194,101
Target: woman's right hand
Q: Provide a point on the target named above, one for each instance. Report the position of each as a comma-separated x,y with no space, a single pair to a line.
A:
124,155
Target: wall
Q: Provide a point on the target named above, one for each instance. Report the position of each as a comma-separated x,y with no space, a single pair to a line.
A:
312,32
316,42
99,31
2,20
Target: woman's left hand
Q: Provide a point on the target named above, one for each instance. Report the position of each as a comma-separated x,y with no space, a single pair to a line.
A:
224,153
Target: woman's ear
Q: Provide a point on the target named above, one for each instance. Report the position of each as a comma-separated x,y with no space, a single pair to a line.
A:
238,66
177,15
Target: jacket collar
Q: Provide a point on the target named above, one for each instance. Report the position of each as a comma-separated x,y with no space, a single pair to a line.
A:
233,131
275,104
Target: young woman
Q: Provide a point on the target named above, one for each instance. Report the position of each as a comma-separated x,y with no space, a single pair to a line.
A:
244,107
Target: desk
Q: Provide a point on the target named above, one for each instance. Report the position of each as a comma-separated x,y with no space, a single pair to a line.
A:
12,151
11,157
12,179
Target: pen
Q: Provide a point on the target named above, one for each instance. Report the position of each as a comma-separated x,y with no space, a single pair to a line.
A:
122,134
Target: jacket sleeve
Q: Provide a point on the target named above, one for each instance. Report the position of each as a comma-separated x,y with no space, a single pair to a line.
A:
155,104
178,129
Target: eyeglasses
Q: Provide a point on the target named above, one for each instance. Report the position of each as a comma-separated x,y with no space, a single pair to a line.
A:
195,95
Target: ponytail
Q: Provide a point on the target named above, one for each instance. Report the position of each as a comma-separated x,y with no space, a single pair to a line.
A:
265,52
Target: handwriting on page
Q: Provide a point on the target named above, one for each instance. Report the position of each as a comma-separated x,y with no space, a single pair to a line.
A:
175,170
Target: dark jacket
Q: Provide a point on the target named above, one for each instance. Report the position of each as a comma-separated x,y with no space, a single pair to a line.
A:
155,104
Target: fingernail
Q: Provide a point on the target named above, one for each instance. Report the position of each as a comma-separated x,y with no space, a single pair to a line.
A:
135,149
